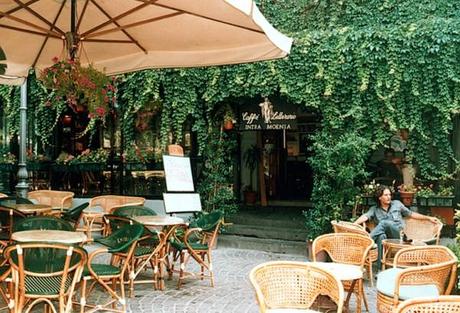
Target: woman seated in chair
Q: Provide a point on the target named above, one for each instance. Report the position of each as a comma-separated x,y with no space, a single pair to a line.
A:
388,218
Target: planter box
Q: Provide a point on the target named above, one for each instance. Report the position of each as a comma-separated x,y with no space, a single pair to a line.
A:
135,166
38,166
8,167
436,201
91,167
367,200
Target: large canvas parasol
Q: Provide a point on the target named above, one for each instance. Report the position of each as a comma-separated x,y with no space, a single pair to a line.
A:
119,36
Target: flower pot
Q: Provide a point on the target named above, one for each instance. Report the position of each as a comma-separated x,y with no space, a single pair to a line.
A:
250,197
407,198
228,125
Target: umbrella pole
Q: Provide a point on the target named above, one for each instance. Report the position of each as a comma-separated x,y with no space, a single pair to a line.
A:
23,186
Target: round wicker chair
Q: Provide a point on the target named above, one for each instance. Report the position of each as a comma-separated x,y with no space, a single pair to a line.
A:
431,273
293,285
441,304
348,227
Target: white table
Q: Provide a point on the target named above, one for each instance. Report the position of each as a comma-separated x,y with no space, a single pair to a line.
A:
58,236
159,220
347,272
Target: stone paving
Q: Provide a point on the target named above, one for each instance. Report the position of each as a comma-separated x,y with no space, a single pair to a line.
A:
232,291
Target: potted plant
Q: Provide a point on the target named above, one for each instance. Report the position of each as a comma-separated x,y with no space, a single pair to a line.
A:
229,119
251,160
407,193
91,160
367,193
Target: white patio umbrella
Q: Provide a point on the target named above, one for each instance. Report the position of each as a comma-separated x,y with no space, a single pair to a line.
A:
119,36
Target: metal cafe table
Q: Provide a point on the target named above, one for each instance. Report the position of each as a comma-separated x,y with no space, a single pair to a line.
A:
168,224
56,236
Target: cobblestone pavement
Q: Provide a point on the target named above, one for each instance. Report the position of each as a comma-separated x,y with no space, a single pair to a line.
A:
232,291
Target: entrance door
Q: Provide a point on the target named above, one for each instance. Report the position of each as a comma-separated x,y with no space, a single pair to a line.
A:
287,174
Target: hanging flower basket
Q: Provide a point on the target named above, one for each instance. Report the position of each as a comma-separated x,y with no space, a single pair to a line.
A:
80,88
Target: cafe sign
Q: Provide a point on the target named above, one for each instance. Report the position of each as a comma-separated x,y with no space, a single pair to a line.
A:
267,115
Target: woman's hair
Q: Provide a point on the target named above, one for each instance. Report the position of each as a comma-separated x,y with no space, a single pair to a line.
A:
379,192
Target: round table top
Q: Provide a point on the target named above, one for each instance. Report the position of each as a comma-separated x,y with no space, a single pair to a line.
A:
59,236
397,243
341,270
157,220
31,208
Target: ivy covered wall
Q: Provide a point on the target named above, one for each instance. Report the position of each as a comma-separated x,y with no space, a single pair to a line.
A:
369,67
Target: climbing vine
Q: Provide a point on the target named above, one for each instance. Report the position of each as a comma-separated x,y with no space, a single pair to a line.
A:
368,67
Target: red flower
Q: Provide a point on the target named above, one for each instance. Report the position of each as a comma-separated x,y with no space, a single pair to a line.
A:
100,111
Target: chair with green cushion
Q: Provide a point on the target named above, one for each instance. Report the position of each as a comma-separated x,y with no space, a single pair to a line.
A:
133,210
42,222
429,271
147,249
121,242
73,215
197,242
8,217
45,272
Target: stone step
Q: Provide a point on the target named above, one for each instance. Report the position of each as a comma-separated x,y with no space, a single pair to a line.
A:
269,245
289,232
270,220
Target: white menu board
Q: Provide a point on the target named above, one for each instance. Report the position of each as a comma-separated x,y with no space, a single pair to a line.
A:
181,202
178,172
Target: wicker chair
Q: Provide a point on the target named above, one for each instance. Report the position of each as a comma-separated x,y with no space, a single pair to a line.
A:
43,272
348,227
441,304
133,210
124,240
58,200
433,273
73,215
42,222
346,248
419,230
293,286
197,242
8,217
110,202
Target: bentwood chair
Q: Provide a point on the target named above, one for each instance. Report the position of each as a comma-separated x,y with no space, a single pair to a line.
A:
73,215
44,272
441,304
133,210
431,273
288,286
149,250
123,240
42,222
8,217
348,227
197,242
58,200
346,248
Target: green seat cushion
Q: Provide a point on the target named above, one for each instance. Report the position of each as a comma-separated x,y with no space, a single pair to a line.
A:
143,250
386,283
102,270
195,246
45,285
